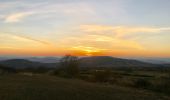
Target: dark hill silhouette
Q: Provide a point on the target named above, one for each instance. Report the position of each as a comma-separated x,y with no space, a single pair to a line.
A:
44,59
34,59
5,69
107,61
94,61
22,63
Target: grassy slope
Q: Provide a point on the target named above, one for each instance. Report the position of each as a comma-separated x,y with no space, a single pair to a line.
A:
19,87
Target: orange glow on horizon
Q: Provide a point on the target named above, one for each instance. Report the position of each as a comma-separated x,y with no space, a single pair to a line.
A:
58,52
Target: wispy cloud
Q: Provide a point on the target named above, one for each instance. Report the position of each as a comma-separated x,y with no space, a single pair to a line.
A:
95,37
32,39
48,9
121,30
23,38
8,4
111,38
16,17
6,47
91,42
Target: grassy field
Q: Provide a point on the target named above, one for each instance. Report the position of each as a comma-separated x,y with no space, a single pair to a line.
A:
44,87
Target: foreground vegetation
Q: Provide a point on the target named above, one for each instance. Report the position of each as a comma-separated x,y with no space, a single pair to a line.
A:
71,82
45,87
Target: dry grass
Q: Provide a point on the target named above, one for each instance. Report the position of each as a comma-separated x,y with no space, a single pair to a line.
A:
43,87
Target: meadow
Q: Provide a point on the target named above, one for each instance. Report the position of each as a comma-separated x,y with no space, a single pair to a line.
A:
46,87
72,82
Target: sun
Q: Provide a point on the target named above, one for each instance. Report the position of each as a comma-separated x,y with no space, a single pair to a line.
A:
87,50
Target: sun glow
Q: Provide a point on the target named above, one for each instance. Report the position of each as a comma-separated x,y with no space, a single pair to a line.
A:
88,51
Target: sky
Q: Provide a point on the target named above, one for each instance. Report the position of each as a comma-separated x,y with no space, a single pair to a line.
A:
123,28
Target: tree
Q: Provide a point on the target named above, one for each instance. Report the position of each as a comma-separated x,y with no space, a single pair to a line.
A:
69,65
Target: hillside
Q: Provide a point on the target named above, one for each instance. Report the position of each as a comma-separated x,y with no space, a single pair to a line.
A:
107,61
42,87
94,61
34,59
4,69
155,60
22,63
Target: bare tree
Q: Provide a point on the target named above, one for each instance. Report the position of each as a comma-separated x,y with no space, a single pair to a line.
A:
70,65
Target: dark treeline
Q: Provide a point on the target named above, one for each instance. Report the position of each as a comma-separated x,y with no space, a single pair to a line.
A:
7,70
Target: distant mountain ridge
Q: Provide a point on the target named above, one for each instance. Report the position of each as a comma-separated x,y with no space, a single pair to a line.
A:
22,63
107,61
34,59
57,58
155,60
94,61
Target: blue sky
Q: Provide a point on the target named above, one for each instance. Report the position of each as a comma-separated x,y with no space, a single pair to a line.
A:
84,27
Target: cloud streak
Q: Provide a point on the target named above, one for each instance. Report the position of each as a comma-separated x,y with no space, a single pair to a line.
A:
44,9
33,39
23,38
99,42
120,31
16,17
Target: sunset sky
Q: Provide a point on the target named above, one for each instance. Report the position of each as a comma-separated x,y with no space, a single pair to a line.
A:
133,28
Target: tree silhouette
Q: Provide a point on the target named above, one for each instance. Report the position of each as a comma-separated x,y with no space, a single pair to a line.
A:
70,65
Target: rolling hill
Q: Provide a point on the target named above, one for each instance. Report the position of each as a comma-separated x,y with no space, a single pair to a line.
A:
94,61
107,61
22,63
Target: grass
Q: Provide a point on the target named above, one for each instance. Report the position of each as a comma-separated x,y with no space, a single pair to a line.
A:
44,87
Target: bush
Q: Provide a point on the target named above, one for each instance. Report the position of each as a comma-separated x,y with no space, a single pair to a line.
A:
102,75
6,70
142,83
163,87
86,77
69,67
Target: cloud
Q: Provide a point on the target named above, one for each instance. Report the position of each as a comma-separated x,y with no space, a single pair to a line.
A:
16,17
22,38
112,42
6,47
95,28
98,42
90,44
45,10
120,31
5,5
108,38
111,38
32,39
100,38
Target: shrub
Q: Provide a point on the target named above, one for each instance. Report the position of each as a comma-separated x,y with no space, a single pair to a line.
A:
142,83
102,75
6,70
86,77
163,87
69,67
